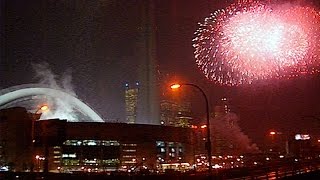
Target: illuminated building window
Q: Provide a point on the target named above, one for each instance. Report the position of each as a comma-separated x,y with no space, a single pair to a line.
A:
171,144
109,161
129,162
56,148
91,142
162,150
70,142
129,144
70,162
129,150
69,155
160,144
110,143
129,156
90,161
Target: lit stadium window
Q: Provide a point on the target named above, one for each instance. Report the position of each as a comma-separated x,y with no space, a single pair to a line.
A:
160,144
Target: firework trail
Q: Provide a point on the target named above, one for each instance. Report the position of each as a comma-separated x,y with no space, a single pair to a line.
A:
249,41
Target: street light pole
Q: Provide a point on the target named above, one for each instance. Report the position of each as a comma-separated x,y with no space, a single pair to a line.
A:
208,143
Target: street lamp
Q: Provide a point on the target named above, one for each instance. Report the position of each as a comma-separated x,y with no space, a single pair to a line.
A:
208,143
272,133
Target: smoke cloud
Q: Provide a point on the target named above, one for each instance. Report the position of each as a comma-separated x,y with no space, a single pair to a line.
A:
227,128
58,107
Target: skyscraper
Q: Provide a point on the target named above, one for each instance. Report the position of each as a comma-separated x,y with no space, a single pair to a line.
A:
131,100
175,113
223,145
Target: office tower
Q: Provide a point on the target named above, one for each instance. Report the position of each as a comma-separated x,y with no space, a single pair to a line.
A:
131,100
175,113
223,145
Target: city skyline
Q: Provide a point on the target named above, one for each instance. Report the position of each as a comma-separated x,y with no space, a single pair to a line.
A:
97,42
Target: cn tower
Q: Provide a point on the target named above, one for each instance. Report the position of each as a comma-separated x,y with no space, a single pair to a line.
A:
148,99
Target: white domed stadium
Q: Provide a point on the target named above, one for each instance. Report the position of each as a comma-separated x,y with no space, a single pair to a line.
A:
61,104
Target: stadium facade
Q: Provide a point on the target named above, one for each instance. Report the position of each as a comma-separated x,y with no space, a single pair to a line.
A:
90,146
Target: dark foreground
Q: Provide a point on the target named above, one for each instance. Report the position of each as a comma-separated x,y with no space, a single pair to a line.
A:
315,175
311,175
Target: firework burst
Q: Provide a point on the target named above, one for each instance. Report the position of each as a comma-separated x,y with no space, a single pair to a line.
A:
251,41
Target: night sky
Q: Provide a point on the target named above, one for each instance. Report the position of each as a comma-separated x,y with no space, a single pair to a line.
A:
96,41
